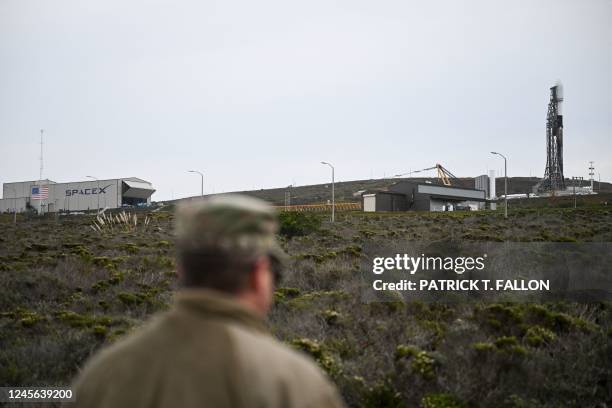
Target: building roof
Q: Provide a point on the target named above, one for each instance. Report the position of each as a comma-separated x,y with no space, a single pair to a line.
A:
430,184
136,179
137,189
32,181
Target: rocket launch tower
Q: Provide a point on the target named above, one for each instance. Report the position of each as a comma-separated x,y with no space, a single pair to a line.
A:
553,174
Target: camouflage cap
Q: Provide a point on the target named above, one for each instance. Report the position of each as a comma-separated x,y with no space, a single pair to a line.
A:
235,224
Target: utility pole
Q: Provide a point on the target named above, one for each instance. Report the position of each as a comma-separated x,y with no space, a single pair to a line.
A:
288,197
574,180
40,175
202,181
333,216
505,183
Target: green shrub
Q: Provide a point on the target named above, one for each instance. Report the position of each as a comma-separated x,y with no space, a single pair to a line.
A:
29,319
509,345
73,319
99,331
99,286
537,336
319,258
320,354
78,320
341,346
422,362
505,315
424,365
130,299
405,350
116,277
483,347
352,250
331,316
288,292
506,342
103,261
282,294
83,252
294,224
382,395
130,248
441,401
437,329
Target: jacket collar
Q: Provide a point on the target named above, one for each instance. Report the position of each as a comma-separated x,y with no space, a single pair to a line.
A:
209,303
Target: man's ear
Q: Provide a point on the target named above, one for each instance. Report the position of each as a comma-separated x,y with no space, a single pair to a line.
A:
260,274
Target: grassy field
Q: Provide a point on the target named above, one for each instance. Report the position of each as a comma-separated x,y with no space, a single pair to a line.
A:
66,290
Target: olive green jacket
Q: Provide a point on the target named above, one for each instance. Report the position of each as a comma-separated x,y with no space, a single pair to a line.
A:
207,351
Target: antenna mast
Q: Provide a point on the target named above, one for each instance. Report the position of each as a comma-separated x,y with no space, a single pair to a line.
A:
41,154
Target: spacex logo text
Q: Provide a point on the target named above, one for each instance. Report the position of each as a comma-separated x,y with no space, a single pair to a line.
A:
87,191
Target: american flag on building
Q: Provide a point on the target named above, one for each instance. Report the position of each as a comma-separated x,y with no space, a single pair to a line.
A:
40,192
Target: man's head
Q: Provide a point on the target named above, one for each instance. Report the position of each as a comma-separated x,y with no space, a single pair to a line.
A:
228,243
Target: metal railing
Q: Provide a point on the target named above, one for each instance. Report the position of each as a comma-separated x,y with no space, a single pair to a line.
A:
348,206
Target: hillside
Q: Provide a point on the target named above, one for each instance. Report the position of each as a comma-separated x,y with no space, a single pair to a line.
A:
345,190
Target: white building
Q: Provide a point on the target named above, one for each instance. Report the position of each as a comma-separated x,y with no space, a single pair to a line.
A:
76,196
411,195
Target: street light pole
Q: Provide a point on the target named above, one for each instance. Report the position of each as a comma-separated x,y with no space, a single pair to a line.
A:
574,185
98,194
574,180
505,183
202,181
599,182
333,216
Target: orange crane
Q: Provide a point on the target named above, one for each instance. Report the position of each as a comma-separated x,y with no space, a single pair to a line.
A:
444,175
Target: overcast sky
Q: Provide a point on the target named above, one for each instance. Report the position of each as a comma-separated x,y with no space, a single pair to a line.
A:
257,93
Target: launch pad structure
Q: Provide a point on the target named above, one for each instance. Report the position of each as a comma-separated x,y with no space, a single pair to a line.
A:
553,174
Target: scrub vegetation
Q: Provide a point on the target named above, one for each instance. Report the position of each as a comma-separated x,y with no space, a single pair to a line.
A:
67,290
